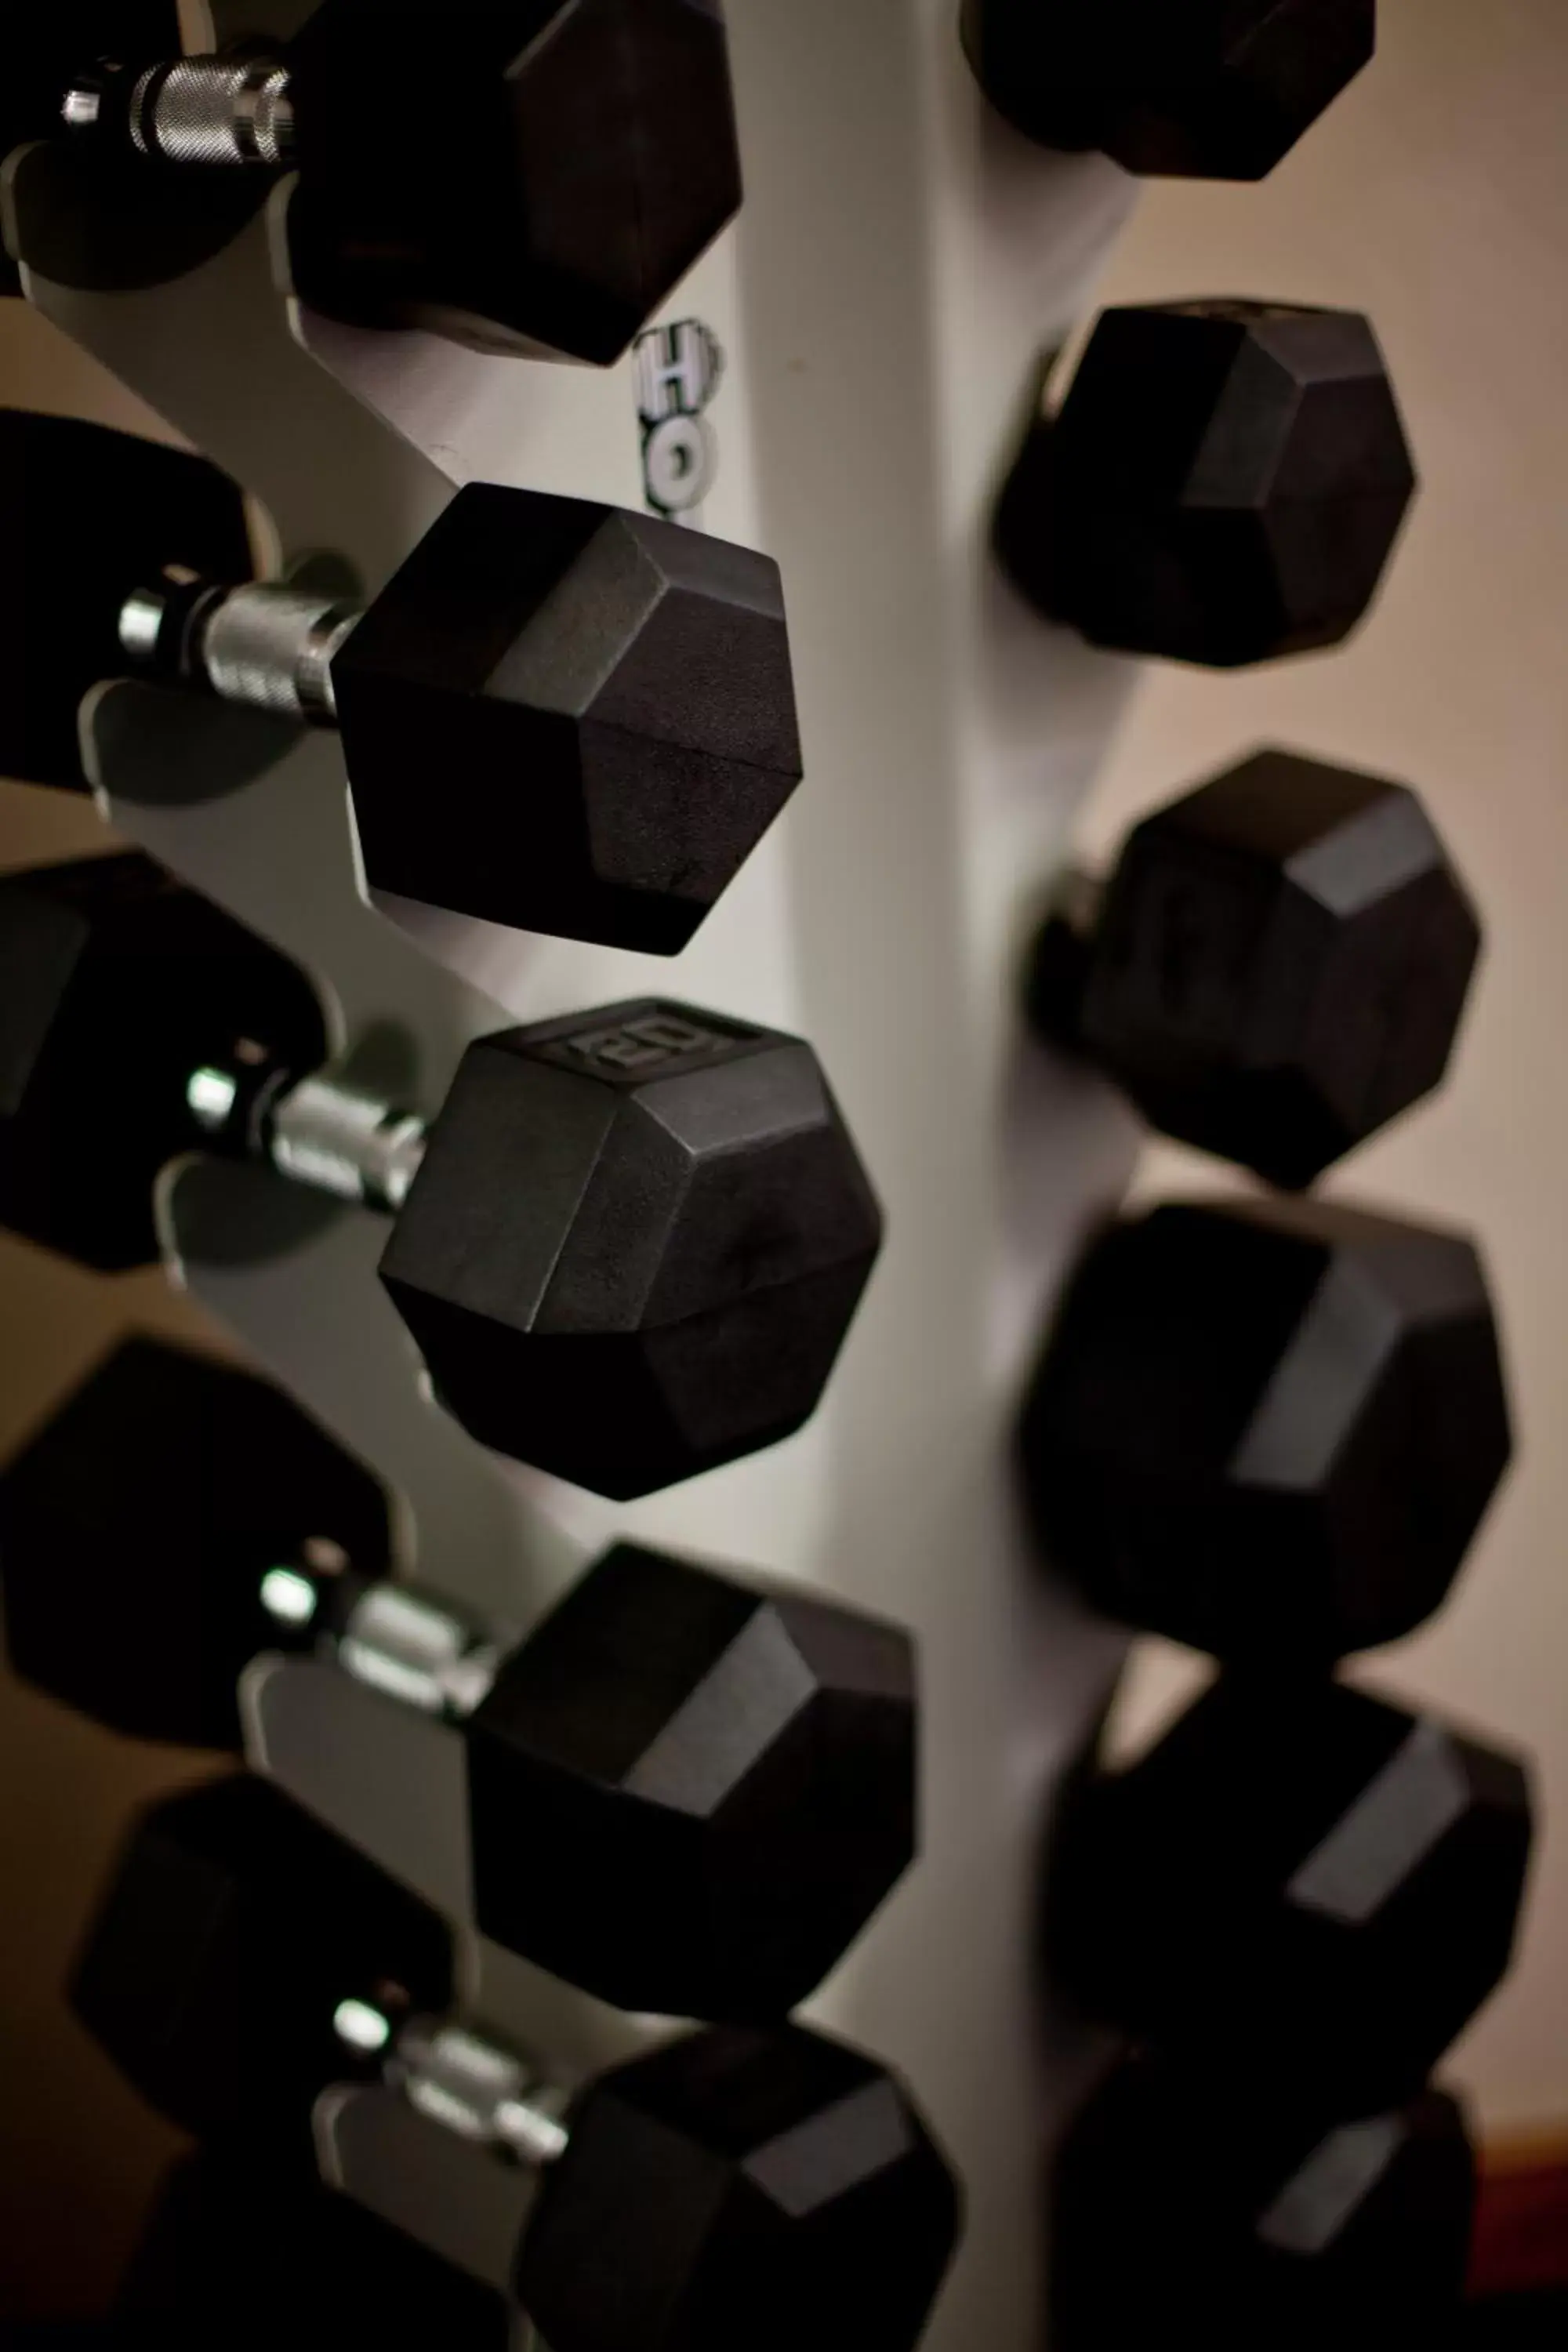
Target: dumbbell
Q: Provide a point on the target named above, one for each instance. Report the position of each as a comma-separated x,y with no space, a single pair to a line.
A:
1267,1429
1298,1876
1181,2213
629,1246
1223,483
532,175
688,1790
1219,91
244,2247
731,2187
556,715
1277,967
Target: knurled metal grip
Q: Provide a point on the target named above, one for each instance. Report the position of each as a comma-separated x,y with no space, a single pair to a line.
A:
267,647
220,110
273,647
406,1645
325,1135
485,2094
313,1129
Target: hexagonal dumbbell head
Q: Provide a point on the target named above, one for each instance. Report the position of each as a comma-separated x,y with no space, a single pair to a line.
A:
688,1790
1219,91
116,984
88,516
137,1528
556,715
672,1287
532,175
731,2187
206,1970
1278,966
1298,1869
539,175
247,2238
1267,1429
690,1793
606,700
800,2198
1238,2222
1223,484
630,1247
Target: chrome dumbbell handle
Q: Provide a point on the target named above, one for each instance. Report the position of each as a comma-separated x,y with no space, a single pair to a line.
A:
264,645
399,1642
313,1129
472,2088
206,110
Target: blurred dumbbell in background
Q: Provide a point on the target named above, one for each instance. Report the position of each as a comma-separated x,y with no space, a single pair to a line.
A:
731,2186
556,715
1212,92
244,2239
1223,482
687,1789
1300,1876
1233,2216
1276,966
629,1245
1287,1907
1266,1427
514,174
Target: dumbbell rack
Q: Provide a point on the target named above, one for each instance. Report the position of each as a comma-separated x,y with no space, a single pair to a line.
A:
900,260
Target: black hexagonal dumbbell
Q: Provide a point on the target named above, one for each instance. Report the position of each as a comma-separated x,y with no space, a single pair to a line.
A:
1275,969
556,715
1183,2212
1266,1429
1299,1875
731,2187
1222,90
535,175
244,2243
1223,484
688,1790
629,1246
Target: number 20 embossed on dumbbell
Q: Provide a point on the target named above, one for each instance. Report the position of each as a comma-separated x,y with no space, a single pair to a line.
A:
629,1245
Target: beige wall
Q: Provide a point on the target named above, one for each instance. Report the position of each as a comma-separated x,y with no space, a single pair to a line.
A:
1437,197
